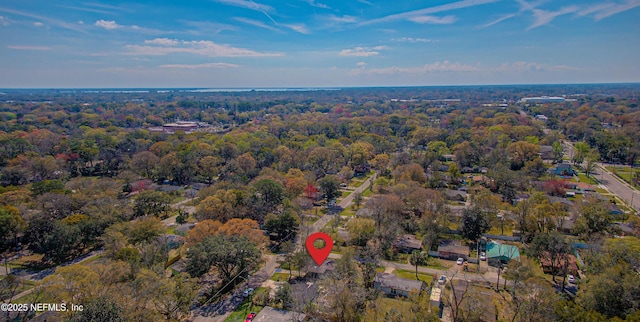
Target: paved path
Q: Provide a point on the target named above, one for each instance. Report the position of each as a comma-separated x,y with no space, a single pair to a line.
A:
324,220
346,202
454,272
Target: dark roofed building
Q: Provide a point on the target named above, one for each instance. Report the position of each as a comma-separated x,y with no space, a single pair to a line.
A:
329,265
558,266
396,286
452,249
407,243
546,153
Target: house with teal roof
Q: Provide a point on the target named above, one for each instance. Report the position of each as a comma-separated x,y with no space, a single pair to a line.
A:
500,254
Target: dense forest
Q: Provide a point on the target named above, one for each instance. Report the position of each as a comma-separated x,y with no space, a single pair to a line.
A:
87,172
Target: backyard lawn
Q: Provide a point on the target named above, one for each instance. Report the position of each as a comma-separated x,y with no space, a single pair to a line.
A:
412,275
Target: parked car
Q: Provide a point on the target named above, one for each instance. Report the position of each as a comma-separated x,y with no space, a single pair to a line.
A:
460,261
571,279
247,292
250,317
442,280
483,256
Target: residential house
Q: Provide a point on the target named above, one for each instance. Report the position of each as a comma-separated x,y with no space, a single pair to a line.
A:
396,286
546,153
455,195
499,254
558,265
563,170
327,266
407,244
452,249
448,157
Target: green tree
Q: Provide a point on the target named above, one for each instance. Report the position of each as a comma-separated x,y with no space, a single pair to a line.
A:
149,202
592,159
553,246
174,297
330,186
267,195
593,217
283,226
556,150
230,255
284,297
11,225
100,309
581,151
474,223
361,230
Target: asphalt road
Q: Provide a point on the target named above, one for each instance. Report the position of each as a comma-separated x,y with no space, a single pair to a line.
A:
611,183
614,185
324,220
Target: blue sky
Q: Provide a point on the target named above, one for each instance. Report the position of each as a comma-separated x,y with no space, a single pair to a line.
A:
316,43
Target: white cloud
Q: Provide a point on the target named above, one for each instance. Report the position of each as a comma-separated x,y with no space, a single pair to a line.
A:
4,21
427,68
414,40
198,66
431,10
343,19
107,24
313,3
522,67
361,64
162,42
202,47
301,28
615,9
38,24
246,4
29,47
543,17
250,4
499,20
50,21
433,19
362,51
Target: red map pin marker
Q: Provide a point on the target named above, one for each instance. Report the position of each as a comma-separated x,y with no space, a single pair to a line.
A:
319,255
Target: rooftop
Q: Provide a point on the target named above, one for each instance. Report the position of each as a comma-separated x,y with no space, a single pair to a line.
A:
495,249
397,283
408,241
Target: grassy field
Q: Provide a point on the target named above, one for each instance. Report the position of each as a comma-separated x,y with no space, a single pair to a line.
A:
280,277
348,212
590,180
22,261
241,311
412,275
345,194
625,173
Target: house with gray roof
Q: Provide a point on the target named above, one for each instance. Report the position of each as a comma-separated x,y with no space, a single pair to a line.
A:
396,286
